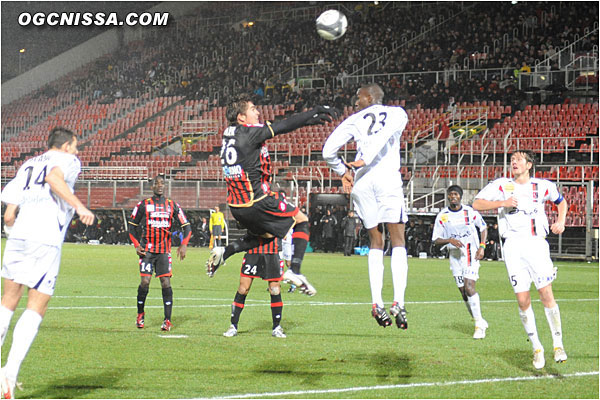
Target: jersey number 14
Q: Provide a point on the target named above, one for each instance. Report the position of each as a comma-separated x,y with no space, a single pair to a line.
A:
40,180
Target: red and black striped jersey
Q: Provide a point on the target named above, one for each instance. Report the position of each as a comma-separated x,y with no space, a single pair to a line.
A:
246,163
267,246
151,222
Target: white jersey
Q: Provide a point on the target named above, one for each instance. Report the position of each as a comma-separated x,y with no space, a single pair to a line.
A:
376,130
43,217
459,225
528,218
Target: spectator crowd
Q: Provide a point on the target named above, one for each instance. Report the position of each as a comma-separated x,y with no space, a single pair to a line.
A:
218,62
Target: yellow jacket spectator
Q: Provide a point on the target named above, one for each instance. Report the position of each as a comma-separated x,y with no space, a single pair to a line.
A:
217,225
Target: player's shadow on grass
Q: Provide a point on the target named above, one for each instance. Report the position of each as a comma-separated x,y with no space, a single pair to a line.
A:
461,327
289,368
391,366
78,386
523,359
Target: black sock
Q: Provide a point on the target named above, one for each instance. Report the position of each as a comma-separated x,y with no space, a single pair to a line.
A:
167,294
246,242
299,243
276,308
237,307
141,298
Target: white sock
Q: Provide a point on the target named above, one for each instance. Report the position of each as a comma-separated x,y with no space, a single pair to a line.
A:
528,320
399,273
23,335
475,307
553,316
468,307
5,317
375,259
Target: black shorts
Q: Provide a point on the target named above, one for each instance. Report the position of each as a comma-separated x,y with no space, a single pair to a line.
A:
273,214
269,267
157,263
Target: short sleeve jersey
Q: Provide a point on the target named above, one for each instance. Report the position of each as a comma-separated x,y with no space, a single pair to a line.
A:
246,163
43,216
529,217
460,225
376,130
155,216
217,219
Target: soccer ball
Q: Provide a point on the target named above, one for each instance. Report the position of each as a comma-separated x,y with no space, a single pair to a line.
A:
332,25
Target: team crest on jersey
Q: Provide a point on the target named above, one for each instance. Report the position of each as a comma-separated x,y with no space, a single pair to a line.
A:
282,206
510,187
444,218
264,151
150,207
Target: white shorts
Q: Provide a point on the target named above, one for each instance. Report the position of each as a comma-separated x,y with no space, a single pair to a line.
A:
528,260
32,264
464,265
286,250
379,200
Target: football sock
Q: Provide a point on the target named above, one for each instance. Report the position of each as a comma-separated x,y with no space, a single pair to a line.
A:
299,242
276,308
237,307
475,306
553,316
469,307
167,295
141,298
399,273
465,299
246,242
375,260
528,320
23,335
5,317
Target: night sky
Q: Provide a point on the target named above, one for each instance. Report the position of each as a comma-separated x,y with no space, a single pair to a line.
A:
43,43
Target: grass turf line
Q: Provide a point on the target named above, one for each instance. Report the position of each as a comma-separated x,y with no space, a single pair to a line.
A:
98,353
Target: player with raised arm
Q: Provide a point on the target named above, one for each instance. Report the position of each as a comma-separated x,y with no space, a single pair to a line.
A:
376,189
523,226
150,232
456,227
248,171
43,194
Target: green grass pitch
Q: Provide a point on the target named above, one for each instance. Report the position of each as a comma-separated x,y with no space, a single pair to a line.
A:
88,346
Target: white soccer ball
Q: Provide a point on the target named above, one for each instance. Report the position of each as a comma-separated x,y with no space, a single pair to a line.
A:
332,25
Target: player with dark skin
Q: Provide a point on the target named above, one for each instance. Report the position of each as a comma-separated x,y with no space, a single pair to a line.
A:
158,188
364,100
455,200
